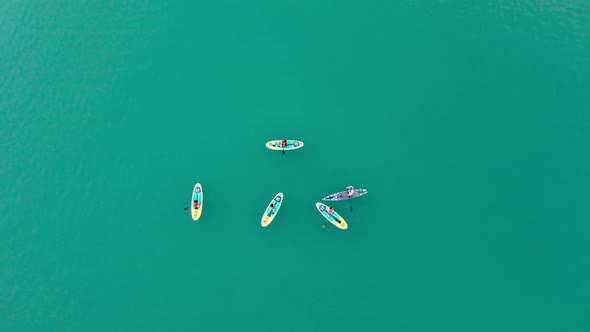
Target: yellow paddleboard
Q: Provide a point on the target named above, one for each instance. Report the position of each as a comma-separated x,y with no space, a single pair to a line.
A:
333,218
197,196
269,214
292,144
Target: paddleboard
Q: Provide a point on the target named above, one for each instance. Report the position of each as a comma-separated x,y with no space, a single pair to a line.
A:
323,208
292,144
343,195
269,215
198,196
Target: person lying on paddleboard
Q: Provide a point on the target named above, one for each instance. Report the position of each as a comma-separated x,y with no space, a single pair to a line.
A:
330,211
272,207
350,191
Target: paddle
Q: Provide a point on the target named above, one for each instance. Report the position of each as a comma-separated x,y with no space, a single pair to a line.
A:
350,199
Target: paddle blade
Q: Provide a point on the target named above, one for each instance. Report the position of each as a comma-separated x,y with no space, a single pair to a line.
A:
186,208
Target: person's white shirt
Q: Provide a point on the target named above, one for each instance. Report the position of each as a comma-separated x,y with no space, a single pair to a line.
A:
350,190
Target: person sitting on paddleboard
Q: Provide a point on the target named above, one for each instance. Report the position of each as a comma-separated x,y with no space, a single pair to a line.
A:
196,204
283,143
272,207
350,191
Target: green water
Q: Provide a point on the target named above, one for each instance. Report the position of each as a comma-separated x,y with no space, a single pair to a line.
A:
468,123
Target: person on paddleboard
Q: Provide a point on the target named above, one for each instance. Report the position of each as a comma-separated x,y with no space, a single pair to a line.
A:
284,143
330,211
350,191
272,207
196,204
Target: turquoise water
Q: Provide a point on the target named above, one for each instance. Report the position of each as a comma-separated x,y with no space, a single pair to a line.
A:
468,124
